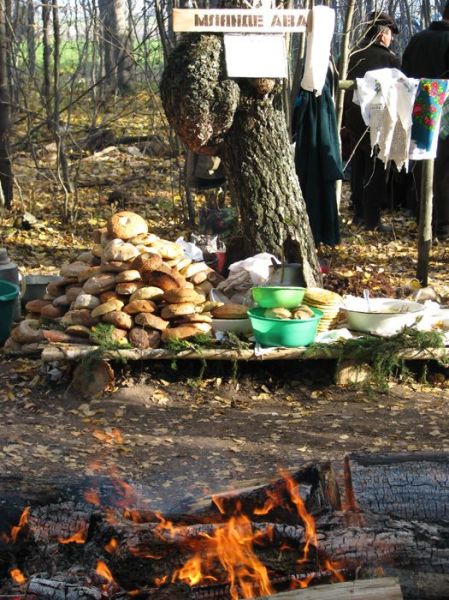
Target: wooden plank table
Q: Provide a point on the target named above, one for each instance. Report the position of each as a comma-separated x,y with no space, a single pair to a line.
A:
56,352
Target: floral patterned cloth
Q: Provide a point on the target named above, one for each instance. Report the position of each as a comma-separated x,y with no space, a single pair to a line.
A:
427,111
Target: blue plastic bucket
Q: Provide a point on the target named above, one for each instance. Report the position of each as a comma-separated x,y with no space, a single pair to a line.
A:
8,296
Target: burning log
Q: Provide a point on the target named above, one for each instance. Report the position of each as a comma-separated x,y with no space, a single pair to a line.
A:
264,531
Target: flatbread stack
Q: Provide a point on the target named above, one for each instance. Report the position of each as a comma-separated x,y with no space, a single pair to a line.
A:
327,302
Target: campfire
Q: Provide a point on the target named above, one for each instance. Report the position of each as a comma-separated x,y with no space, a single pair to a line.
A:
238,545
310,528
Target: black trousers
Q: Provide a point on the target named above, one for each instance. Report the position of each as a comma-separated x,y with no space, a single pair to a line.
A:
368,187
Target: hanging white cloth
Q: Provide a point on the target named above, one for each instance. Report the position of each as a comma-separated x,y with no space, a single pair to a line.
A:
386,98
321,25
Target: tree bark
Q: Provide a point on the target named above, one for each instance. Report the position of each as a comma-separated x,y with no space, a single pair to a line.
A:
242,121
6,176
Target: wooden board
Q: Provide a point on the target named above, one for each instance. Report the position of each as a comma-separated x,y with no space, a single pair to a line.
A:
54,352
239,20
386,588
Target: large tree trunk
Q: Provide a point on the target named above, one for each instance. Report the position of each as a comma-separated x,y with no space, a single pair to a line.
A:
116,42
243,122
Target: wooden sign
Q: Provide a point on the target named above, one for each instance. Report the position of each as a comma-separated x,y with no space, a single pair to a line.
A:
239,20
256,56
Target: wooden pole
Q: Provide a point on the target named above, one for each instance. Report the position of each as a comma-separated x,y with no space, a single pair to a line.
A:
425,222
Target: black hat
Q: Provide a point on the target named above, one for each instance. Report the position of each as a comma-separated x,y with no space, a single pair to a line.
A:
384,20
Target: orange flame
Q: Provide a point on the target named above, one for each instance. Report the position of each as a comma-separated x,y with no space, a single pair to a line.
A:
103,570
332,567
22,521
77,538
18,576
111,546
308,520
160,581
190,573
229,548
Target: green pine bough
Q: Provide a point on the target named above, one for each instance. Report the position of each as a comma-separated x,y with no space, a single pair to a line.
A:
382,354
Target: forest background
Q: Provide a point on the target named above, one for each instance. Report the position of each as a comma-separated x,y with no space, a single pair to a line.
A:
82,131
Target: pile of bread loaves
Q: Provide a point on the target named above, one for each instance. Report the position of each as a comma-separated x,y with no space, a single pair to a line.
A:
142,285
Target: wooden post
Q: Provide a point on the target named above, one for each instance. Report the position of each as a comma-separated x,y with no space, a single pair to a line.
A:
425,222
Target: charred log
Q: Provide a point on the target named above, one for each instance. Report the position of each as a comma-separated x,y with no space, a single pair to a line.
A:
48,589
407,486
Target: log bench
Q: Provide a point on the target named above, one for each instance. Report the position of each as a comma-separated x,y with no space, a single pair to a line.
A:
348,373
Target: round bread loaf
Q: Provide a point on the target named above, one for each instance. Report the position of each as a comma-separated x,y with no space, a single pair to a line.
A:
172,311
129,275
194,268
183,332
119,319
168,249
277,313
144,339
139,306
149,292
115,266
195,318
88,273
86,301
80,317
73,269
52,312
78,331
106,307
105,296
99,283
230,311
118,250
72,292
145,239
55,288
152,321
164,281
149,260
177,296
62,301
128,287
126,225
35,306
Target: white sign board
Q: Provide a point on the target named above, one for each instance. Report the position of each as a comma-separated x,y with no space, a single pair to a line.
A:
256,56
239,20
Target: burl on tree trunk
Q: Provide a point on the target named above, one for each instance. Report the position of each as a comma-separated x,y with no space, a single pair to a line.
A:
242,121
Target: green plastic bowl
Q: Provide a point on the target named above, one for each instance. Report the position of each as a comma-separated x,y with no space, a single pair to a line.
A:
278,297
291,333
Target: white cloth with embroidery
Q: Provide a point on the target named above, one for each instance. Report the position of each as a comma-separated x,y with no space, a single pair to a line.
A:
386,98
319,39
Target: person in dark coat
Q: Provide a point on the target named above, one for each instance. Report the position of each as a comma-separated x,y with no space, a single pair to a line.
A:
427,56
368,175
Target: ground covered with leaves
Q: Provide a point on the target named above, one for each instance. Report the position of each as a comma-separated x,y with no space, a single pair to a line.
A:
184,436
178,433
